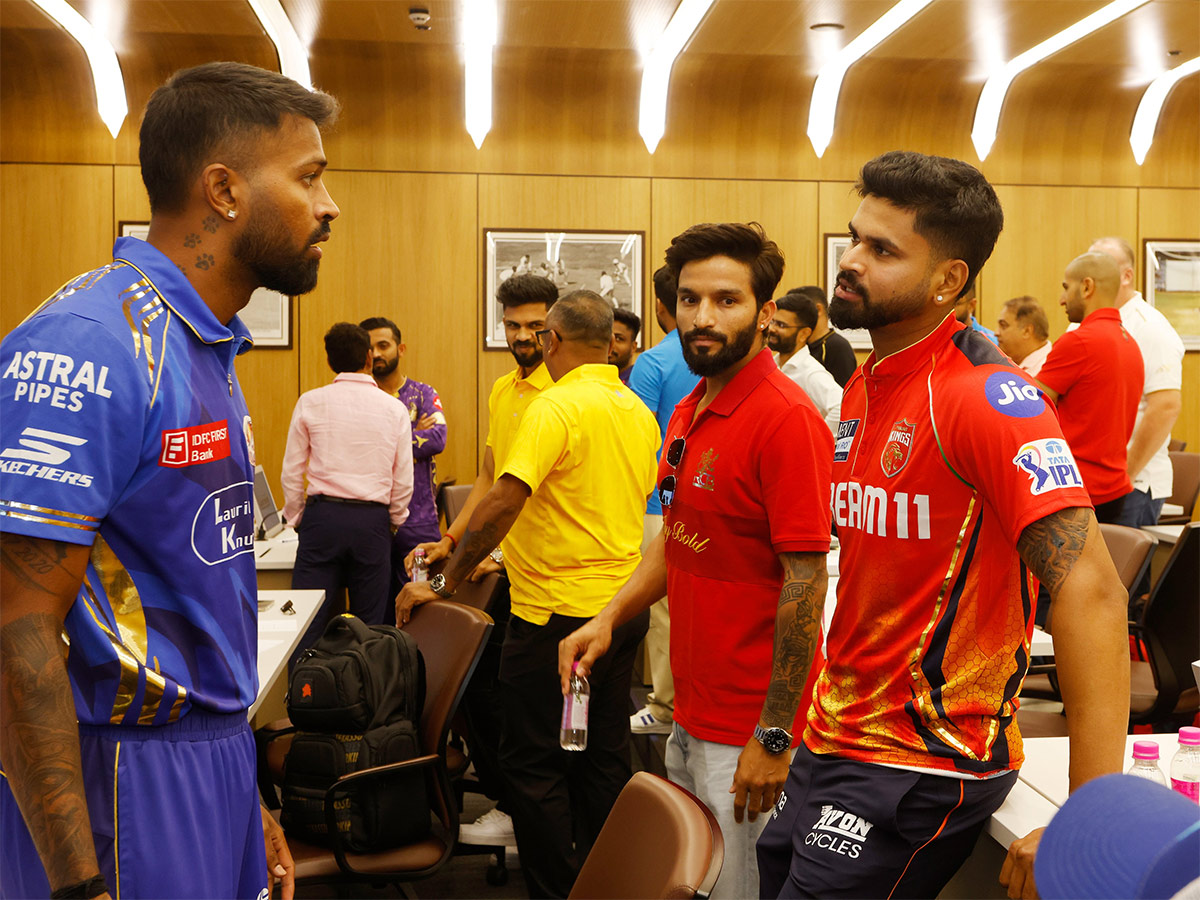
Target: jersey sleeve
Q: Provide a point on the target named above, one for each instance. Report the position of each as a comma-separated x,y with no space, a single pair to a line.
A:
1064,365
999,434
646,381
73,406
427,442
795,467
542,443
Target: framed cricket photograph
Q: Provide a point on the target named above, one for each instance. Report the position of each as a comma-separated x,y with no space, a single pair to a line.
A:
1173,285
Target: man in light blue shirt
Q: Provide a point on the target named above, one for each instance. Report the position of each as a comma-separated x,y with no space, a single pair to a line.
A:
661,378
964,311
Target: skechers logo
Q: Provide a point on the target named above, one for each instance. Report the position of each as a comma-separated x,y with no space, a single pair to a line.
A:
839,832
55,378
38,458
1011,395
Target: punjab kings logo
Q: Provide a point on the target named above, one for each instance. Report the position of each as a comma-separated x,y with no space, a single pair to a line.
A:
895,452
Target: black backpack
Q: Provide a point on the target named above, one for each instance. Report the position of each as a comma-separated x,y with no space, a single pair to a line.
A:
355,698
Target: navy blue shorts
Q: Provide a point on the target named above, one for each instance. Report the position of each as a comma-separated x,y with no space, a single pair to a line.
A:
844,828
174,812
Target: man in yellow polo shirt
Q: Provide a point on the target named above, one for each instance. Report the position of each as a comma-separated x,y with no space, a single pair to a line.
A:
525,300
568,504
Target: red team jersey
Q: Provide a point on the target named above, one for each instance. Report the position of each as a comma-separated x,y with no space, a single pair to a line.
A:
945,453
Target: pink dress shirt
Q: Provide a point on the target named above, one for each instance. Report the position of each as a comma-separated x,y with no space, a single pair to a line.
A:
354,441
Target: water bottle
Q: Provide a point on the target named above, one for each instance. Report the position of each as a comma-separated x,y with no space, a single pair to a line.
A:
420,570
1145,762
1185,764
573,733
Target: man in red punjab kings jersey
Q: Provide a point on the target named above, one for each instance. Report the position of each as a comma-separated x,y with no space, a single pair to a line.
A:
744,485
953,490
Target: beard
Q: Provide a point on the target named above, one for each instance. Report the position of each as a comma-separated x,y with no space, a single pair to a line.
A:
733,349
527,355
381,368
266,249
868,314
780,343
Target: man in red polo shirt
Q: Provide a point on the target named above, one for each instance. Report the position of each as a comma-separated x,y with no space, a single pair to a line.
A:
952,486
744,484
1094,374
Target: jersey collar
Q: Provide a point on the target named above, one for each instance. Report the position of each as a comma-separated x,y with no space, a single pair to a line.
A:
177,293
592,372
739,388
539,379
905,361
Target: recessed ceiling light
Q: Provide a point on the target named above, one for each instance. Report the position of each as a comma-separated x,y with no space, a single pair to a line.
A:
480,27
827,26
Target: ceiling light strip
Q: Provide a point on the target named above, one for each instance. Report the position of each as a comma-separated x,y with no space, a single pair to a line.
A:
1145,121
293,55
991,100
106,69
823,108
656,75
480,27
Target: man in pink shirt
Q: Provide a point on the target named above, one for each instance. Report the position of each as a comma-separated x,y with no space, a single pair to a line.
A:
354,442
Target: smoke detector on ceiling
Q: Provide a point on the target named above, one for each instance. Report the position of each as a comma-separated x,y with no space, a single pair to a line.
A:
420,17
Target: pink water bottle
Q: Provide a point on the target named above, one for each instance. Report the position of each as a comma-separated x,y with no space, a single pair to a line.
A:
1185,764
1145,762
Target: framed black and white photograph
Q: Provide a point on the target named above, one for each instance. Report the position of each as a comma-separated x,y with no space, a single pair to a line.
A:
1173,285
611,263
268,315
835,246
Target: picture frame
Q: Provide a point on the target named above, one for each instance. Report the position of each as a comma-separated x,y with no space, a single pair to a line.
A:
268,315
573,260
1172,285
835,246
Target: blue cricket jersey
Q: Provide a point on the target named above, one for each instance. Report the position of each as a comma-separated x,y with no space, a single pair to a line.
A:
122,427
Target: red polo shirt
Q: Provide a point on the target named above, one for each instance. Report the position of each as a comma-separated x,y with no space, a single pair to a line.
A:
1097,372
753,483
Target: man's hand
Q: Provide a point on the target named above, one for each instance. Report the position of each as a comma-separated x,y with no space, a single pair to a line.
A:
1017,872
433,552
586,644
484,569
280,865
758,781
425,422
413,595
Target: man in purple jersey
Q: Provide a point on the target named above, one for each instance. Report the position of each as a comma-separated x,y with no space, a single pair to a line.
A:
128,632
428,440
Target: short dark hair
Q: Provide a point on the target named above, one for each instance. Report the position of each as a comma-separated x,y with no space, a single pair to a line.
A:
346,347
1027,310
957,211
380,322
628,318
748,244
216,107
814,293
664,289
586,317
522,289
801,306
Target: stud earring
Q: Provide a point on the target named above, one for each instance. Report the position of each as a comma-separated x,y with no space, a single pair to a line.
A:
232,214
939,296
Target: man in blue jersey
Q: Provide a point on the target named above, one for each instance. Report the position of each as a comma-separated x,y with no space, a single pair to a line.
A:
661,378
128,629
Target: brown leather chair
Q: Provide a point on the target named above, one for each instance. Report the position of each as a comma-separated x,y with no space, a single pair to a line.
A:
658,841
453,499
451,637
1185,485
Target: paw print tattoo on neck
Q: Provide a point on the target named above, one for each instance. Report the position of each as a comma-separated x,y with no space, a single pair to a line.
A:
192,241
210,223
205,261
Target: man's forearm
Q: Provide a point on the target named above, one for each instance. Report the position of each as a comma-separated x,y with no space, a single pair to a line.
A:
483,483
1162,410
489,523
797,630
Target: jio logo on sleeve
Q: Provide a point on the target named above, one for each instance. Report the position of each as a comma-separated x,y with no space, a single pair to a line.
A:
1012,395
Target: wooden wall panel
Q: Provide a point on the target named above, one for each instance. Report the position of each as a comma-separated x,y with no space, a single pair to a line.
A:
508,201
59,225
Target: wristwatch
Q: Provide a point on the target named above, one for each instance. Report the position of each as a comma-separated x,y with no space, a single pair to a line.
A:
497,556
774,740
437,584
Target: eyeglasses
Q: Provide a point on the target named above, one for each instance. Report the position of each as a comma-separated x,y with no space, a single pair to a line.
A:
537,335
666,489
784,326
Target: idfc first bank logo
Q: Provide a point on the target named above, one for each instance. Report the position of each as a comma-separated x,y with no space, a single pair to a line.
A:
1012,395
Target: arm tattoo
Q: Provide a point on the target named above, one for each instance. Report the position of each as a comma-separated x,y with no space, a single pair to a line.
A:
39,742
475,546
33,565
1051,545
797,629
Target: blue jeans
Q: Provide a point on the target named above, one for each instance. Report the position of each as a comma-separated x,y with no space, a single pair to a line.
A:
1140,509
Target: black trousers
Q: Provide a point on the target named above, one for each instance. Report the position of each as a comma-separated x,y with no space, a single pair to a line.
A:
560,798
483,710
343,546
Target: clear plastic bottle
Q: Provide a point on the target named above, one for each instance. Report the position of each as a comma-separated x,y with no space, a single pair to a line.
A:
420,570
1185,764
573,733
1145,762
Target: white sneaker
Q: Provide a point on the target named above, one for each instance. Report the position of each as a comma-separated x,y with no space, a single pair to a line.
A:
492,829
644,722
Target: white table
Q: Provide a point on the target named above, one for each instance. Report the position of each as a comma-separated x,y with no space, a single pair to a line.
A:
1172,509
1045,768
275,558
279,633
1167,534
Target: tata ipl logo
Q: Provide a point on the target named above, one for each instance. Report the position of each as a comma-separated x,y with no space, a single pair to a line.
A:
1049,465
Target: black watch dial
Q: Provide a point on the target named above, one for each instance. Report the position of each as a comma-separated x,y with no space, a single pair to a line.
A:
774,740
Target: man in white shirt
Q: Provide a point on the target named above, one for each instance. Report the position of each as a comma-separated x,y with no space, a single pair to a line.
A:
1023,333
787,335
1162,394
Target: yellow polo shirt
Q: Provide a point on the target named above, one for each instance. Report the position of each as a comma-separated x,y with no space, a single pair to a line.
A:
510,395
586,448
